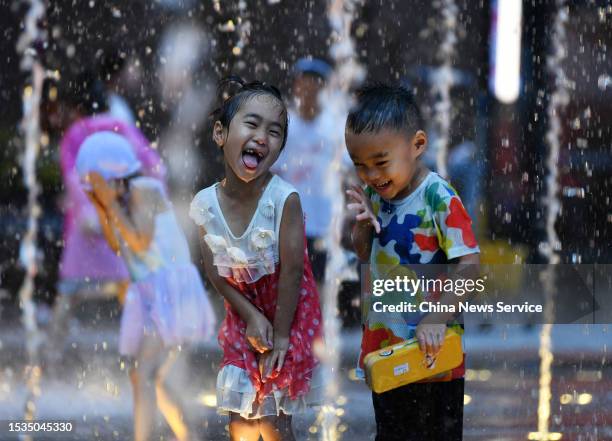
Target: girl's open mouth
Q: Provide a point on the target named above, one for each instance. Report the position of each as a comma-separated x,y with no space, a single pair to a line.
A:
251,158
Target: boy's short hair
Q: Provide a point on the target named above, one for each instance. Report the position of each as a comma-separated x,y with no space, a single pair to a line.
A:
380,106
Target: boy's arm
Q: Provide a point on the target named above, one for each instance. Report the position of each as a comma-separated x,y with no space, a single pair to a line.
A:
291,250
431,329
362,240
462,251
259,332
465,267
366,223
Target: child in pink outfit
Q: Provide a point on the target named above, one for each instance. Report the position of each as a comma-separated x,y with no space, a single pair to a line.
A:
86,254
88,267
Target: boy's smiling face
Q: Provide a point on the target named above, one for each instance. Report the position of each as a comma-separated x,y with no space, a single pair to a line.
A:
387,160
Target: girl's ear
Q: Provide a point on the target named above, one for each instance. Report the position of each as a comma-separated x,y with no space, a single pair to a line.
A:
219,134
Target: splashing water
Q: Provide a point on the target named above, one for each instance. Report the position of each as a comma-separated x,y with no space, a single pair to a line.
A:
442,82
31,37
241,26
182,49
604,81
347,72
558,100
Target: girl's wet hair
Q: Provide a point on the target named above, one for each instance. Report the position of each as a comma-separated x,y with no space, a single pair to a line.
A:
380,106
233,92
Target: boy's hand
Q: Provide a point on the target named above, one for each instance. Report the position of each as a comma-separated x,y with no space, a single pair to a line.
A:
259,333
274,359
103,193
361,204
430,337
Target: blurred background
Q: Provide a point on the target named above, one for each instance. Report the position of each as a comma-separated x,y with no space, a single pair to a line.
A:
163,59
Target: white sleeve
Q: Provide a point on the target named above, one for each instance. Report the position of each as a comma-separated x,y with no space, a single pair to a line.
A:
198,209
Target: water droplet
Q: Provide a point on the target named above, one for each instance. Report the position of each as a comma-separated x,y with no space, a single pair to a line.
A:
228,26
574,192
604,81
70,51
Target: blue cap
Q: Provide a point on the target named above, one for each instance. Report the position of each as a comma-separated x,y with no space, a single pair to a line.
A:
108,154
312,65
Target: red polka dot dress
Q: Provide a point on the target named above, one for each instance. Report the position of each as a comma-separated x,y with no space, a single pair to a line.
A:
250,263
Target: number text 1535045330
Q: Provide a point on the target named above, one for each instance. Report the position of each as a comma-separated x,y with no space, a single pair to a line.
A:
30,427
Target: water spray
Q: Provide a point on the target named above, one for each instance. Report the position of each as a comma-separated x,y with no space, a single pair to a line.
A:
347,73
31,39
442,82
549,249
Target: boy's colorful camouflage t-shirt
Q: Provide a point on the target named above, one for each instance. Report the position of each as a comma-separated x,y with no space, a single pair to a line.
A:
430,226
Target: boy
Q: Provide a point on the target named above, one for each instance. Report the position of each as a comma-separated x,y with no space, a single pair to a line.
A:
310,149
407,215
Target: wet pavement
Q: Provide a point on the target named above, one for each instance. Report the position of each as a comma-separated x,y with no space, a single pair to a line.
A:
91,387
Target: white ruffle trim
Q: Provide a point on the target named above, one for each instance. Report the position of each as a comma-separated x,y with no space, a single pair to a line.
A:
200,212
235,393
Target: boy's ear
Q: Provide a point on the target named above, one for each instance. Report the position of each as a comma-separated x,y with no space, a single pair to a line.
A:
219,134
420,141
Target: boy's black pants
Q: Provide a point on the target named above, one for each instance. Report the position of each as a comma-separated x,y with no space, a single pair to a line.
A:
420,411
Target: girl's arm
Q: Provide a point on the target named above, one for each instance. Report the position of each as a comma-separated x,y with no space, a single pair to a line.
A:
105,225
291,249
259,332
137,231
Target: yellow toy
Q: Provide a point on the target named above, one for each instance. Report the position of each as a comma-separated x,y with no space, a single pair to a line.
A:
404,363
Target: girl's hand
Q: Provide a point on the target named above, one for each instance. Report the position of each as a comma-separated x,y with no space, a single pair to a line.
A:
274,359
103,193
361,204
430,337
259,333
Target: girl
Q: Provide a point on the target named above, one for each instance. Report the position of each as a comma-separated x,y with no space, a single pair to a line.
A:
166,305
253,244
88,268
